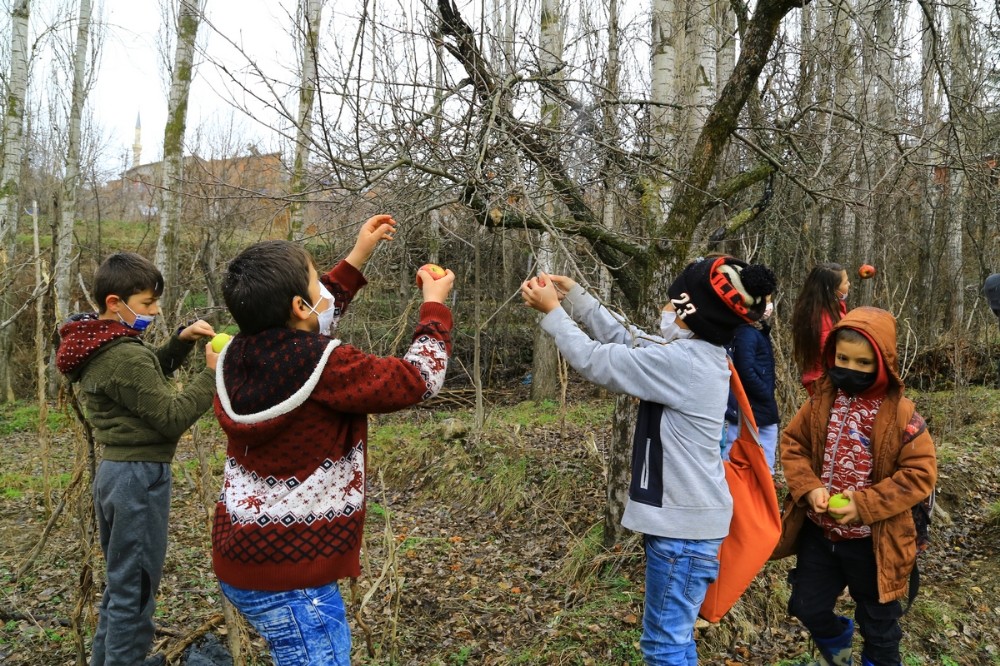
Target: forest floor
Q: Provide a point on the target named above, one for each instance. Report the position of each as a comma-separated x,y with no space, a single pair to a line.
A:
485,548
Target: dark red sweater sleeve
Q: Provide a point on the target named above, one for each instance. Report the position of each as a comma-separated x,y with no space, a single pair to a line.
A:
344,281
360,383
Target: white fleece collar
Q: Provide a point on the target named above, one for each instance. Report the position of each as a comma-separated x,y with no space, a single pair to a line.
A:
287,405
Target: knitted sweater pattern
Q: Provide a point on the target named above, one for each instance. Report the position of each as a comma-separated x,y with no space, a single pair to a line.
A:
294,407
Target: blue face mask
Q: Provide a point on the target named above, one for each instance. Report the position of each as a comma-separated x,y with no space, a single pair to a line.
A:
141,322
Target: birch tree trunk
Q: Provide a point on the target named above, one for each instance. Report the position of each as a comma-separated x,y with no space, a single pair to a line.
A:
702,77
724,18
612,69
168,241
664,131
310,14
829,22
71,180
867,146
845,98
545,359
10,180
931,201
961,60
434,232
881,80
619,456
667,42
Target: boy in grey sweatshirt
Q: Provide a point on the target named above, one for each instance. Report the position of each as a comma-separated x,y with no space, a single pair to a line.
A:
678,496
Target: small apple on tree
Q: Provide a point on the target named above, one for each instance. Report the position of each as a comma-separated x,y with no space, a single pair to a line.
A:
436,272
866,271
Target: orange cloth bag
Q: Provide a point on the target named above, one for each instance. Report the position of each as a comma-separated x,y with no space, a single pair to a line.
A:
756,524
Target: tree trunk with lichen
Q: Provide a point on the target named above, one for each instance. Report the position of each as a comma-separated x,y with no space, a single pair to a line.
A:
545,356
10,180
71,179
168,241
642,269
310,13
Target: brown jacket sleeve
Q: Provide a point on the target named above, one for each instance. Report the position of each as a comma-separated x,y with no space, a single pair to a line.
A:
797,455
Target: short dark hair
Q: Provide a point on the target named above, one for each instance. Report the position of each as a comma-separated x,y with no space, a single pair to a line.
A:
124,274
260,283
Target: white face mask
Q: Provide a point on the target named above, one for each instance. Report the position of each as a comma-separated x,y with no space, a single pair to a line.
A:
768,310
669,328
327,318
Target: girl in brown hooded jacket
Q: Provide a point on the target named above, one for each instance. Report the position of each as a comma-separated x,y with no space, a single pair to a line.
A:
859,437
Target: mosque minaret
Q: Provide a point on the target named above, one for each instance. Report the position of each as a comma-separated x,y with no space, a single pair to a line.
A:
137,143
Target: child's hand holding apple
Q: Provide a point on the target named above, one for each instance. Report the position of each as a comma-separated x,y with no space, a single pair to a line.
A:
436,282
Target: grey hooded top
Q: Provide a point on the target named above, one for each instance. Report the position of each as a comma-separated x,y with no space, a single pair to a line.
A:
689,377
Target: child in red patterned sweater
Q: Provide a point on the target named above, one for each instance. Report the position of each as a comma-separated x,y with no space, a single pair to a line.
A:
293,402
858,436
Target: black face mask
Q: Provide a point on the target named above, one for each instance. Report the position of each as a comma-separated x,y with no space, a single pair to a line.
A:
850,381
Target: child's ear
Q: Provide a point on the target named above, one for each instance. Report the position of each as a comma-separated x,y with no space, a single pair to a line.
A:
111,302
300,310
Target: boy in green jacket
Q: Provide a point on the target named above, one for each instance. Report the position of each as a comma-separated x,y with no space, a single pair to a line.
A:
138,417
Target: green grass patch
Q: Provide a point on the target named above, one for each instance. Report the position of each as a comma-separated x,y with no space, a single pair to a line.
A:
376,510
14,485
544,413
216,463
461,657
529,414
993,514
20,417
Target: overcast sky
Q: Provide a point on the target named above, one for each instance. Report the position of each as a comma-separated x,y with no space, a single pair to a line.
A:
132,77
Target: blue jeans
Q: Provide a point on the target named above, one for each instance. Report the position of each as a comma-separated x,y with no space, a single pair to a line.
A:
768,436
678,573
301,627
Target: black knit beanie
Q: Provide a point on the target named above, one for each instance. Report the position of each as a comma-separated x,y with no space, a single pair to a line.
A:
714,296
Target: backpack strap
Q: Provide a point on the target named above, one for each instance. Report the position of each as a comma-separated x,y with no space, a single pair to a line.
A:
742,401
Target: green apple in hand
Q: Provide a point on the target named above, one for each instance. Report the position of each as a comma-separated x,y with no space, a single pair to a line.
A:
220,341
838,501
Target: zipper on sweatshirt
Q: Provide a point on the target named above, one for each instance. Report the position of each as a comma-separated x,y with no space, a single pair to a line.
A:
644,481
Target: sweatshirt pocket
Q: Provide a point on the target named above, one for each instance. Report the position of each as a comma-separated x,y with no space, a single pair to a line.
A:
646,486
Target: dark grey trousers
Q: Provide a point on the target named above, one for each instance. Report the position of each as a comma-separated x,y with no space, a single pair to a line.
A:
132,501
